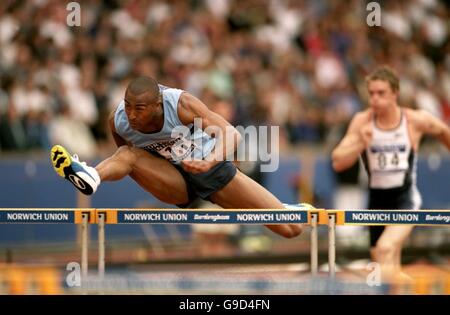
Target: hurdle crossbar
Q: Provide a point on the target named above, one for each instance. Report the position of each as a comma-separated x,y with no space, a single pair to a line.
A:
295,214
226,216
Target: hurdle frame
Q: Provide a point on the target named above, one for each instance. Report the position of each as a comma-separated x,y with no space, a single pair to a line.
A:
306,215
332,245
84,245
101,218
314,239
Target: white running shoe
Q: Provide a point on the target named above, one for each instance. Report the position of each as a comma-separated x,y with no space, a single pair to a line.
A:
83,177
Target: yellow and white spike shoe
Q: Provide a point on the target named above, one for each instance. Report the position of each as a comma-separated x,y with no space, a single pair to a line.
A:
83,177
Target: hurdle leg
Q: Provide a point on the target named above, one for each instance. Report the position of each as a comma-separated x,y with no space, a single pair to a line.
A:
314,244
332,244
101,244
84,245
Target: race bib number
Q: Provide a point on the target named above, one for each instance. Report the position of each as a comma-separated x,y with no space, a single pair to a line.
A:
177,150
388,161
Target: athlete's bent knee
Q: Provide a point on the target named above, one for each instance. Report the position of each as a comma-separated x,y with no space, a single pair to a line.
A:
384,249
126,154
123,151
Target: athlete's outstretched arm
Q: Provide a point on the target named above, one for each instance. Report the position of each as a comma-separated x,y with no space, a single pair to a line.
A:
354,142
227,137
433,126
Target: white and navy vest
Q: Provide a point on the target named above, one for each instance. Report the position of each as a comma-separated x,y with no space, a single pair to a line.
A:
390,159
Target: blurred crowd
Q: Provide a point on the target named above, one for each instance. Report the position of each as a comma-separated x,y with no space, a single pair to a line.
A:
299,64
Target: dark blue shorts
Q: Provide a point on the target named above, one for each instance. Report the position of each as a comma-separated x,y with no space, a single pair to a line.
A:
205,184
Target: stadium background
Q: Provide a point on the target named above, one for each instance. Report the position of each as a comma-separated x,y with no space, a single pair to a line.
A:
295,64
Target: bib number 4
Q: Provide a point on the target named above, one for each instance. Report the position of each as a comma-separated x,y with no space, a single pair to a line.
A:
383,160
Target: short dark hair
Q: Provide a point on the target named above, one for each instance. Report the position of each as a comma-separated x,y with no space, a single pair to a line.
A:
385,73
142,85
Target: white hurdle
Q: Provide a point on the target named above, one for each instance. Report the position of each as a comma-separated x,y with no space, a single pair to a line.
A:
101,219
292,214
332,244
314,216
84,245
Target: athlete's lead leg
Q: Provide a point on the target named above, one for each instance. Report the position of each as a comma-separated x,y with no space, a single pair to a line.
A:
156,175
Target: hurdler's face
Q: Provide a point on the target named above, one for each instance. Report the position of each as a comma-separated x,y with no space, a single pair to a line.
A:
381,95
142,110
